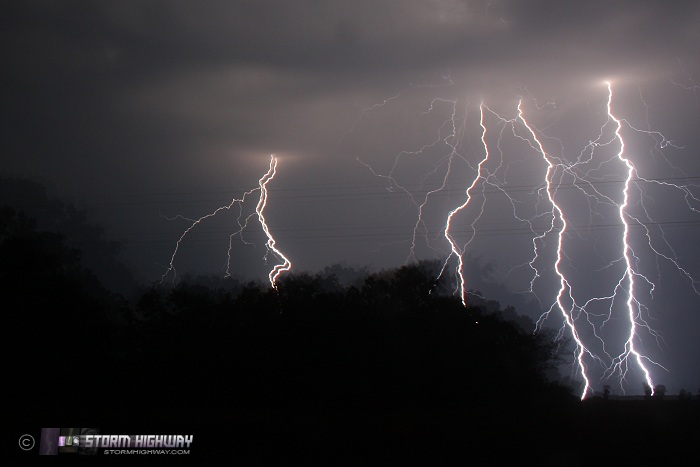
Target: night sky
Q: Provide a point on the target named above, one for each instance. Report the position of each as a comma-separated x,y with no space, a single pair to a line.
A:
142,111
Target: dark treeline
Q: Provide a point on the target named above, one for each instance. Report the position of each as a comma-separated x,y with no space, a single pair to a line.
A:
388,367
97,253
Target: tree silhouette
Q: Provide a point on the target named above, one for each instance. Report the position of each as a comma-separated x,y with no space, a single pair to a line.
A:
61,319
660,392
100,255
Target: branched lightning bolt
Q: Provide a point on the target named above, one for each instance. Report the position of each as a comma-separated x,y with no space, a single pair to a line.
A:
596,170
564,286
626,285
421,200
242,225
633,305
195,222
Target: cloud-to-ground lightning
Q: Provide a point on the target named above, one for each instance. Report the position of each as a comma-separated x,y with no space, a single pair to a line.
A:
606,178
632,304
564,286
242,224
271,248
456,249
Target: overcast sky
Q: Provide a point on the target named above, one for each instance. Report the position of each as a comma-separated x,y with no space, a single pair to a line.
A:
144,110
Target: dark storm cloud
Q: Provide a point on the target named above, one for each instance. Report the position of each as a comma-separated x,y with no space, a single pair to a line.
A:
142,93
107,49
360,37
366,37
341,36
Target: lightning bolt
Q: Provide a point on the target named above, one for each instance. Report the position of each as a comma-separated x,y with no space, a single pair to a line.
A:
242,223
630,273
633,305
271,248
421,200
564,286
456,250
626,285
593,174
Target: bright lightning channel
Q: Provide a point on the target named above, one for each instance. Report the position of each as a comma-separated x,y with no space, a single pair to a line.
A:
270,245
564,287
577,314
286,264
632,304
456,250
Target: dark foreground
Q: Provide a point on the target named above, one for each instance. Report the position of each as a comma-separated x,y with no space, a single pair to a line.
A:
592,433
391,370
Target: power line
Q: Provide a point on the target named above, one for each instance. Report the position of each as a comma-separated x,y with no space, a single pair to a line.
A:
376,192
403,233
